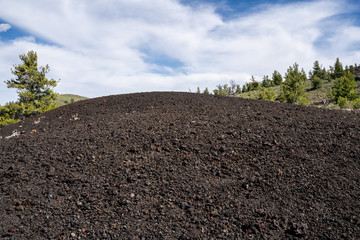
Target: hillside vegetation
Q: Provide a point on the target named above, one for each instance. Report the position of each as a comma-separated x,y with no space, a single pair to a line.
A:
336,87
35,91
64,99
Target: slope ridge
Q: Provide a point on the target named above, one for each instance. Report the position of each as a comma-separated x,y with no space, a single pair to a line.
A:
181,165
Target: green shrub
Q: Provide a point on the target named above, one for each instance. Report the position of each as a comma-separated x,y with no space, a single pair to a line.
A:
317,82
356,103
10,113
344,102
267,94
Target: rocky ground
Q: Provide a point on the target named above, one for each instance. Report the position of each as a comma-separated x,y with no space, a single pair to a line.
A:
181,166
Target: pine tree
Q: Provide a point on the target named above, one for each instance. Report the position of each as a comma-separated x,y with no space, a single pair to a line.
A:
253,84
345,87
277,78
317,71
206,91
34,89
317,76
266,81
293,88
244,89
338,69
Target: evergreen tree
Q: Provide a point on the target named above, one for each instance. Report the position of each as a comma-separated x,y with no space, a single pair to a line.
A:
293,88
198,90
345,87
317,76
266,81
34,89
206,91
277,78
244,89
317,71
338,69
253,84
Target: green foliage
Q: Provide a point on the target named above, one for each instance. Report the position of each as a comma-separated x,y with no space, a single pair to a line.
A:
227,90
267,94
356,103
252,85
293,88
317,71
10,113
317,82
198,90
344,87
317,76
303,101
206,91
277,78
338,70
266,81
344,102
33,88
244,89
67,98
222,90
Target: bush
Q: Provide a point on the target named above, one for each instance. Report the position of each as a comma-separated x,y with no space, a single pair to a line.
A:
317,82
267,94
10,113
344,102
356,103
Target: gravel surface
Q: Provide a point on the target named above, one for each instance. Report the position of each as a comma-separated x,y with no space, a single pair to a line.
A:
181,166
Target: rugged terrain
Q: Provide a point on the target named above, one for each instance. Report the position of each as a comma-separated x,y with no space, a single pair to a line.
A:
181,166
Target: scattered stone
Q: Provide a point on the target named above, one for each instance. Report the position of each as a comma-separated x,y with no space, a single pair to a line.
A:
244,170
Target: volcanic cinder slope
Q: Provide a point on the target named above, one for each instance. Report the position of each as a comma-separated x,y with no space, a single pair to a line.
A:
181,166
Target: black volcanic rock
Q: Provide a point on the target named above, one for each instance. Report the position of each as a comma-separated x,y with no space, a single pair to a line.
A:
181,166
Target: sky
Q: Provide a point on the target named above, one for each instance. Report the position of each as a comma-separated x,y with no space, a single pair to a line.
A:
104,47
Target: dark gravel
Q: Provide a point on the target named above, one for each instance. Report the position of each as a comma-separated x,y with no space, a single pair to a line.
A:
181,166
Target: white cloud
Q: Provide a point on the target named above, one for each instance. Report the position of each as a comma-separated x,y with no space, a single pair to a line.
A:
108,47
4,27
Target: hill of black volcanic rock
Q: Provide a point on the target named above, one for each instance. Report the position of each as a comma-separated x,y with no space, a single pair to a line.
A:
181,166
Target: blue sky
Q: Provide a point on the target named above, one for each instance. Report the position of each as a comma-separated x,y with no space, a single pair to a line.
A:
98,47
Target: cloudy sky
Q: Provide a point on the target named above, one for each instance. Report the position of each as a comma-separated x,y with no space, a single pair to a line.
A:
104,47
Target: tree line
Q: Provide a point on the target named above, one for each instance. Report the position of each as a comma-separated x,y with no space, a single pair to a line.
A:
36,94
293,85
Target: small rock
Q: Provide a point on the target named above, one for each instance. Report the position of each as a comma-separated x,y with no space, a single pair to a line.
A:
19,208
298,229
51,171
